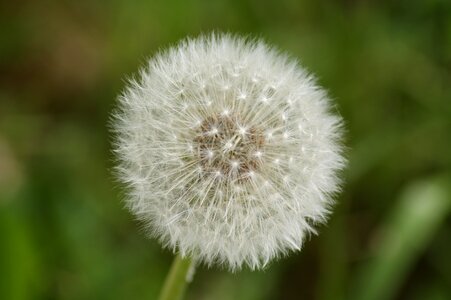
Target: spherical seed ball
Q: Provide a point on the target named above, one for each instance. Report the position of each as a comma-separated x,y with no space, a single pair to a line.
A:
229,150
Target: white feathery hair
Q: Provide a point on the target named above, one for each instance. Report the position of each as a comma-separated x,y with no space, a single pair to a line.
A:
229,150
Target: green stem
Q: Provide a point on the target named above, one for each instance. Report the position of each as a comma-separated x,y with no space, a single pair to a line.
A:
176,280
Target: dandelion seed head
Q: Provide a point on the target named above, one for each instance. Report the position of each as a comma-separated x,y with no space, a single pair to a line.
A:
229,150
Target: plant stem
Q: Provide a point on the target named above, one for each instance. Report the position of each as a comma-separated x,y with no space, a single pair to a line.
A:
175,283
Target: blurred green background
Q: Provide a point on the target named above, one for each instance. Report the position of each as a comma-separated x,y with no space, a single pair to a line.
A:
63,231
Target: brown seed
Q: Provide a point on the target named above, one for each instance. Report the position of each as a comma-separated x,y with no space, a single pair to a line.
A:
220,146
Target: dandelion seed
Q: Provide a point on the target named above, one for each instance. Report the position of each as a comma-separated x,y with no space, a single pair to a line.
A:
212,140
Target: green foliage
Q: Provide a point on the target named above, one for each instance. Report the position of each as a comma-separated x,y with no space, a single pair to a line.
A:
408,229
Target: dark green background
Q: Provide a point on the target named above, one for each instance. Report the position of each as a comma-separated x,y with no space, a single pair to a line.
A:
63,231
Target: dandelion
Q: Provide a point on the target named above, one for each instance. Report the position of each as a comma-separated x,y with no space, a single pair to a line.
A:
229,150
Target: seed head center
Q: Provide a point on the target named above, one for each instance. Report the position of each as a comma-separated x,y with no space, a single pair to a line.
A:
225,146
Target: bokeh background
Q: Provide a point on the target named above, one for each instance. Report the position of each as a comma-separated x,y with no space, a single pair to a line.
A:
63,231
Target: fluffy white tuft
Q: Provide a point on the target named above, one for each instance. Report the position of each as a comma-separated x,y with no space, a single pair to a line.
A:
229,150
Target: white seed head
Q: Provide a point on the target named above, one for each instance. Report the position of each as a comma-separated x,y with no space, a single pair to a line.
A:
229,150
